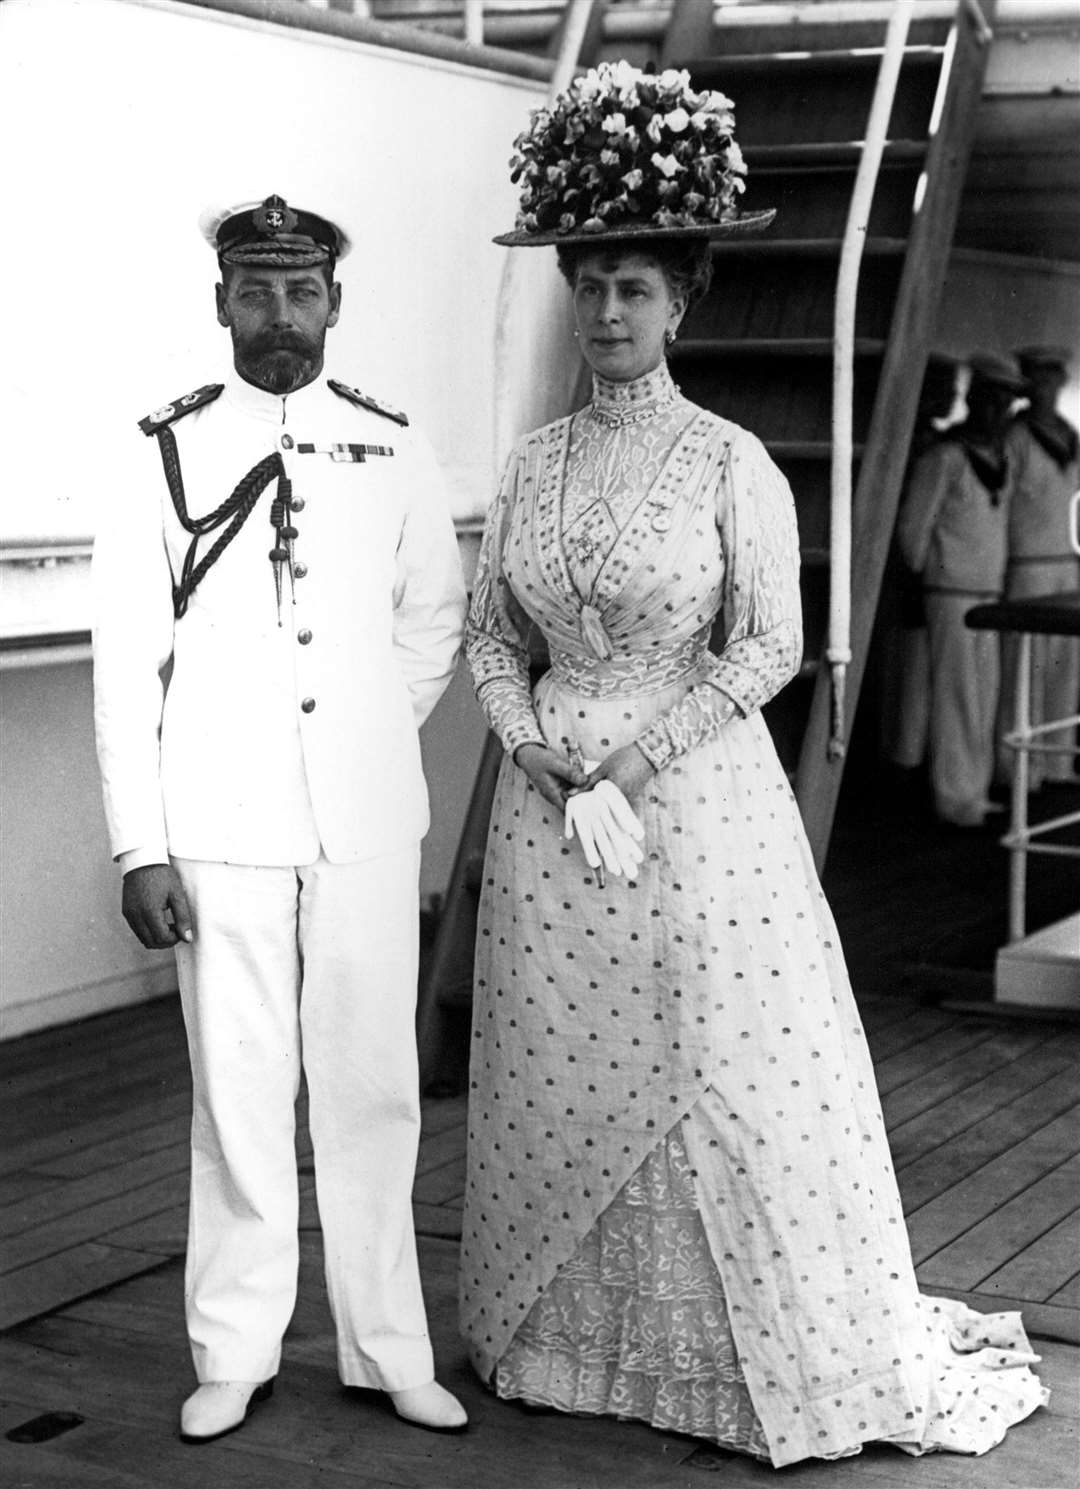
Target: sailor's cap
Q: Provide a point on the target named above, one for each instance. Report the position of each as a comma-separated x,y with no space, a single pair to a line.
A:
1044,356
1001,371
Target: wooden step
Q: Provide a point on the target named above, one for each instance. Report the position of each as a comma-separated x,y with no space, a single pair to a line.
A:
826,98
812,201
793,403
688,41
797,63
760,300
830,154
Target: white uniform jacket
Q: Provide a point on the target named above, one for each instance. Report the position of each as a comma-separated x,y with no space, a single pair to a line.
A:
951,529
274,739
1039,514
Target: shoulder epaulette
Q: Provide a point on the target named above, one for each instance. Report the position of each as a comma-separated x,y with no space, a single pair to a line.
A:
365,400
170,412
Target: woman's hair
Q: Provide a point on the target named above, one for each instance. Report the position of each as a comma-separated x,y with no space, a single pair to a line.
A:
685,263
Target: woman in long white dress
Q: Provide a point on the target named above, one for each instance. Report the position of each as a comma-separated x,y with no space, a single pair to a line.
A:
680,1206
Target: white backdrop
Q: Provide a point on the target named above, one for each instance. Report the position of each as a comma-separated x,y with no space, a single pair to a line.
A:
121,120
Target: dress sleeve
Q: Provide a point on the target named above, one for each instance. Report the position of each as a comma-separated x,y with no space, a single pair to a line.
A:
495,634
762,608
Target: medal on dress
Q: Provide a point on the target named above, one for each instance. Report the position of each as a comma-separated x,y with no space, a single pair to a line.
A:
660,521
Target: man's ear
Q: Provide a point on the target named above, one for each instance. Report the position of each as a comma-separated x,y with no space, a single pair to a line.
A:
335,304
222,312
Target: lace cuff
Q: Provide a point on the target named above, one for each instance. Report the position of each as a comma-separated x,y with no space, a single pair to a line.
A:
512,718
698,718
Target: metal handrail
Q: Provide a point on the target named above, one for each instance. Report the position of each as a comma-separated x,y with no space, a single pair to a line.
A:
838,650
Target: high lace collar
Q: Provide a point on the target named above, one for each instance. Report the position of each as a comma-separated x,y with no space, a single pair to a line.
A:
629,403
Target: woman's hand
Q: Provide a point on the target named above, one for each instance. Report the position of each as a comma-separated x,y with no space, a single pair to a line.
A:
551,773
626,768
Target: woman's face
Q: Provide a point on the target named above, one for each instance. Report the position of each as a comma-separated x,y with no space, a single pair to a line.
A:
624,308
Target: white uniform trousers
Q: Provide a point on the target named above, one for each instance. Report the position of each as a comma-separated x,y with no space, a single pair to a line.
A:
1055,675
323,958
965,674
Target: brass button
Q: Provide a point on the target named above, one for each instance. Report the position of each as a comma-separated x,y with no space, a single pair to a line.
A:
303,636
299,571
308,705
298,503
287,441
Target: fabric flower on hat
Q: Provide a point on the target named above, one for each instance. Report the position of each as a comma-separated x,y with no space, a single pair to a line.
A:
622,147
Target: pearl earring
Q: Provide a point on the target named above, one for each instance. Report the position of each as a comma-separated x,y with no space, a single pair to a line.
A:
669,337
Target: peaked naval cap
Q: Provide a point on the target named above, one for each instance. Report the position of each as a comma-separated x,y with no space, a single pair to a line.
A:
624,156
273,234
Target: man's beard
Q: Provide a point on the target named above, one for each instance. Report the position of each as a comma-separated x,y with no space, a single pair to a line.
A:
279,364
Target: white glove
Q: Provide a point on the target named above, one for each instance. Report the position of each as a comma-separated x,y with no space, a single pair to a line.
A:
607,828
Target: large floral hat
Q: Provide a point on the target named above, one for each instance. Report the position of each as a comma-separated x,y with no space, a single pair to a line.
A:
625,154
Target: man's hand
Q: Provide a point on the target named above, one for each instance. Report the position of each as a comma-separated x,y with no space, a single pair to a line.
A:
155,906
551,773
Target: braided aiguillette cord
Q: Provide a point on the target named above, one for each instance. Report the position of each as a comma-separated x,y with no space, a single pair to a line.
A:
238,506
284,537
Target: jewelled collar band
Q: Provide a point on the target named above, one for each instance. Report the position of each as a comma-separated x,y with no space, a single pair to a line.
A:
614,403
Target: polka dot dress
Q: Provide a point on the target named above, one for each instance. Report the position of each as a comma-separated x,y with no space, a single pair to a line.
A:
680,1202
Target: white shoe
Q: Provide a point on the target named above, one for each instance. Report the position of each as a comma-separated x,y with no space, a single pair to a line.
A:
430,1406
220,1406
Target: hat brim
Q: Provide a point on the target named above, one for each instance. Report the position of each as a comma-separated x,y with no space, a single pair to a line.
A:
998,380
743,226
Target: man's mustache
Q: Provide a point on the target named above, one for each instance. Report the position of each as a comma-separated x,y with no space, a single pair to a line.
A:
283,341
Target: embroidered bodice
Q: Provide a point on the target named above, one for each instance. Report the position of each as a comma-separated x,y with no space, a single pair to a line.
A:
622,533
618,445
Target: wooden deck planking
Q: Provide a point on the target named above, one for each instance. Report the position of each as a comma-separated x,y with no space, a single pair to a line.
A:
120,1360
56,1138
1069,1295
980,1116
927,1090
980,1196
107,1214
1050,1069
97,1187
931,1053
939,1168
439,1185
999,1238
126,1098
1042,1269
85,1267
920,1025
126,1147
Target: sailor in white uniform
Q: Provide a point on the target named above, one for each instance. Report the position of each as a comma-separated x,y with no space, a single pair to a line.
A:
280,548
951,530
1045,451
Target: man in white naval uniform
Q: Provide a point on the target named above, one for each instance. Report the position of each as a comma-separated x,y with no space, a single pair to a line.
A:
283,542
951,531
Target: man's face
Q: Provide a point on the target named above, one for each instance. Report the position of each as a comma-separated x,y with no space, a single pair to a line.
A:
989,406
278,319
1047,381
